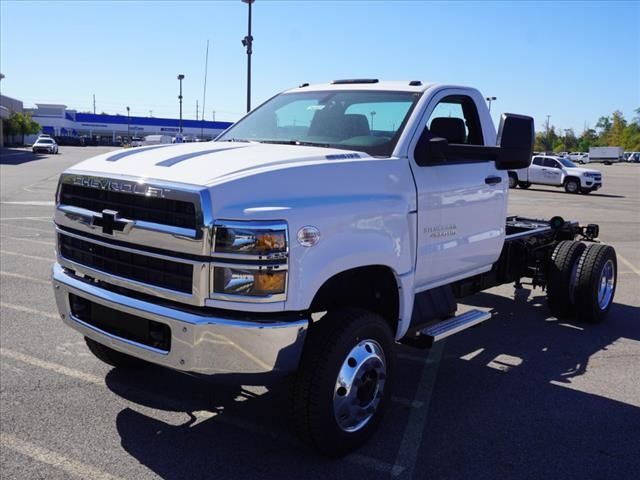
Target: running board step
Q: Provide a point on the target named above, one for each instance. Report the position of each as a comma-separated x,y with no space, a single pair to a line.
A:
455,324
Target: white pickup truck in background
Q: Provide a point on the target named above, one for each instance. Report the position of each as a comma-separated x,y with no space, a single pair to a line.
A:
557,172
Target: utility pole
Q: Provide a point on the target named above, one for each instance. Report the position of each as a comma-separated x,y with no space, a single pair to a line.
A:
129,124
197,110
213,115
248,42
94,103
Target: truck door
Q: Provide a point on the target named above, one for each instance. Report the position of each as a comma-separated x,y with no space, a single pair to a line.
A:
462,198
551,172
535,170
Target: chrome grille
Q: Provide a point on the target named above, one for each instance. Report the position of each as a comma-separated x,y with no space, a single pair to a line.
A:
141,268
163,211
150,237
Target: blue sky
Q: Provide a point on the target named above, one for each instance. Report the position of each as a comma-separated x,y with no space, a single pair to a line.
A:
574,61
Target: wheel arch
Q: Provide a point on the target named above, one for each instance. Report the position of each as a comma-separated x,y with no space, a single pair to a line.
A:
376,288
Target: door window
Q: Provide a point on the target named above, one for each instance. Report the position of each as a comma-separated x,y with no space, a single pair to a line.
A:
456,119
537,161
551,163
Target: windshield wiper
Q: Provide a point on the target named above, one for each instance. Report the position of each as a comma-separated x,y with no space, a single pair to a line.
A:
296,142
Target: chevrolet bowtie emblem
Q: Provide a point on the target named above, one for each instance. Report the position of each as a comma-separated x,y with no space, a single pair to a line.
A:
110,222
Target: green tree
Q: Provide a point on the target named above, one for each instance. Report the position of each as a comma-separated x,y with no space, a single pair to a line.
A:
21,124
614,136
588,139
604,124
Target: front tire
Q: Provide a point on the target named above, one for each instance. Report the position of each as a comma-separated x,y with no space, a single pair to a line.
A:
343,384
113,357
513,180
596,280
571,185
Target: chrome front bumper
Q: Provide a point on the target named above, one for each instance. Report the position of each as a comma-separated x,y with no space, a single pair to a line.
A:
200,344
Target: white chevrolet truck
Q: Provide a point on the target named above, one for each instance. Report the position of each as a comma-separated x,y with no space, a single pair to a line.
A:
556,172
328,224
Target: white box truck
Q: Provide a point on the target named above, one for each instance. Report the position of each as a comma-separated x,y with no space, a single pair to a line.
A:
606,155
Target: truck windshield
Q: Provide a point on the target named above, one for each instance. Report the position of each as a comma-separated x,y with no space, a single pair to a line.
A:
367,121
567,163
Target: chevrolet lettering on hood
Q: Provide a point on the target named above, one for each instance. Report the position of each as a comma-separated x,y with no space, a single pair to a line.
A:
120,186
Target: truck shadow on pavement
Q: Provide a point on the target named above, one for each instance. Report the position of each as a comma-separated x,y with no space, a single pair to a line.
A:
512,399
516,397
562,192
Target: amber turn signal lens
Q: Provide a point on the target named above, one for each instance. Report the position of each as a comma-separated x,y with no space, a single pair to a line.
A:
270,241
269,282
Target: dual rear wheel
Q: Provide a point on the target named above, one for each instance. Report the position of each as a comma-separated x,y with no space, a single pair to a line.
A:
581,280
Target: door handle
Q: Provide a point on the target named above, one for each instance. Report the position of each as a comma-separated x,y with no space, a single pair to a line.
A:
492,180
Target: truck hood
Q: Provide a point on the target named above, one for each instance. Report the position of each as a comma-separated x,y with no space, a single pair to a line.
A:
580,171
210,162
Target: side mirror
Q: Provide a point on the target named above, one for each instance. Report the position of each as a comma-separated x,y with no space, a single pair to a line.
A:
516,136
430,149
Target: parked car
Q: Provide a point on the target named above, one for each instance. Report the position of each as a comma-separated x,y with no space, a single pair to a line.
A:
46,145
582,159
70,141
634,157
558,172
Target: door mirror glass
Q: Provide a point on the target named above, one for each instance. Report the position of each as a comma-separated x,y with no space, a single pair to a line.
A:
515,139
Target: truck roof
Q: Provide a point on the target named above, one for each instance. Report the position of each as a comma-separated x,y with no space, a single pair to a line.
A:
365,84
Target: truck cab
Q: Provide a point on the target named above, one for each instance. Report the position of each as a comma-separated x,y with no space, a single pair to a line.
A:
329,223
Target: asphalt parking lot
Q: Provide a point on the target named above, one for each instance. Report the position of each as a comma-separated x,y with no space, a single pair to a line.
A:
522,396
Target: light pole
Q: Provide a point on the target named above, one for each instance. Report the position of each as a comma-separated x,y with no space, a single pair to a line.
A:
248,42
491,99
373,114
128,125
180,78
549,146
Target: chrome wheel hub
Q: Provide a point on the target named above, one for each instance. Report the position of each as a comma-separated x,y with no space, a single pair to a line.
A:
606,284
572,187
359,386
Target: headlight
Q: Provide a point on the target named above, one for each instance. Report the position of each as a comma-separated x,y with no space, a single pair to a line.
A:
250,261
228,280
257,239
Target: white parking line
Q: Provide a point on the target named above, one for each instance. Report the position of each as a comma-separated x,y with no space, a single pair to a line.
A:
358,459
40,242
414,431
628,264
56,460
32,311
32,257
25,277
32,229
54,367
406,402
36,219
33,203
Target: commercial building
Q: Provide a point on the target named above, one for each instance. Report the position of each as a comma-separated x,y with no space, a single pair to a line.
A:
107,129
